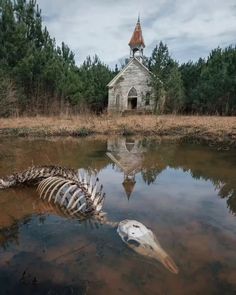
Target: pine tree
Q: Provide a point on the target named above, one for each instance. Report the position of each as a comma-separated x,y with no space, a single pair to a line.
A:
166,81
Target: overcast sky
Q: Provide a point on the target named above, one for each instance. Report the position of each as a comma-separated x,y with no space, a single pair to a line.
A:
191,28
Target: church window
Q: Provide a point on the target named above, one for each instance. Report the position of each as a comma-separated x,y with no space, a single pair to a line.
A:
147,100
117,100
132,92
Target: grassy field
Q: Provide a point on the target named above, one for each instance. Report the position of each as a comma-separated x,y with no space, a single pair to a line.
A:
211,129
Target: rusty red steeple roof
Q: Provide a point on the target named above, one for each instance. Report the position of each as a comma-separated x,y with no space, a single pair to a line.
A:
137,37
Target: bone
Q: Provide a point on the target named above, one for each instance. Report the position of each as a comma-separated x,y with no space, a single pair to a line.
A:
79,209
77,201
49,185
76,197
60,190
79,176
90,188
142,240
98,199
64,187
67,192
73,198
94,192
85,181
3,184
43,184
58,183
42,189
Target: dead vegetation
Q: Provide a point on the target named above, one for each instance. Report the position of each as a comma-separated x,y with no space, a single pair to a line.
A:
207,128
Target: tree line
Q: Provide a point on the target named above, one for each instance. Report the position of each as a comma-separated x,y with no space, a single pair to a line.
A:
39,77
207,86
36,75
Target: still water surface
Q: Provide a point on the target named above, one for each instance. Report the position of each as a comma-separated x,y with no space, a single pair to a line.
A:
185,193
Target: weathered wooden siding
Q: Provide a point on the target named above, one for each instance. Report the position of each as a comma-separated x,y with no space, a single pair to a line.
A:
133,76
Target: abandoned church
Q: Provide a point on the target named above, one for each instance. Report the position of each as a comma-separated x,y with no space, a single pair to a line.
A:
130,89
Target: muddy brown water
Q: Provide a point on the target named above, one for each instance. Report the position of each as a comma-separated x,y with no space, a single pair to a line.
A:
185,193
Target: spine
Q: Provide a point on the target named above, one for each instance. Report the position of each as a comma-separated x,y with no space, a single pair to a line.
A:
33,175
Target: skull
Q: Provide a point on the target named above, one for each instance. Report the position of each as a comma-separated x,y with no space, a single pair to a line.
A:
143,241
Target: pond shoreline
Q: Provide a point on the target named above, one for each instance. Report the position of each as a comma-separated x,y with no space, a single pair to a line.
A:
212,130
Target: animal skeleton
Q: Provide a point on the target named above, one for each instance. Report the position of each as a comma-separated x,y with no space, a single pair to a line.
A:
81,197
64,187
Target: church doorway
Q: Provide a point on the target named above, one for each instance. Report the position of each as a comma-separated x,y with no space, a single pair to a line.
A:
132,99
132,103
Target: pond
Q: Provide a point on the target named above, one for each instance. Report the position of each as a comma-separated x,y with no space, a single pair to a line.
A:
185,193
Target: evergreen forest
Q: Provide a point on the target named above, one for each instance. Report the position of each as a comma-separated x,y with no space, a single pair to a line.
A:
39,77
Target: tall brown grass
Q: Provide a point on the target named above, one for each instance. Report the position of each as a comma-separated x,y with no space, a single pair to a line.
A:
112,124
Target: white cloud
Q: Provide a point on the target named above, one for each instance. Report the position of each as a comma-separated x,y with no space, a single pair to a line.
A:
191,28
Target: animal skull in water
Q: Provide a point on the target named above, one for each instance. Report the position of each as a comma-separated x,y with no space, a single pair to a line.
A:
142,240
77,196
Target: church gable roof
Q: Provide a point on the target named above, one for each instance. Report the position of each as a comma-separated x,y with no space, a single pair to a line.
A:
114,80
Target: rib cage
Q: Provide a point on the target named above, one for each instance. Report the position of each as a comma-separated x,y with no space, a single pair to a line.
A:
64,187
80,196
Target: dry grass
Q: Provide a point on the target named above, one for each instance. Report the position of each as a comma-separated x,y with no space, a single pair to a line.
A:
201,127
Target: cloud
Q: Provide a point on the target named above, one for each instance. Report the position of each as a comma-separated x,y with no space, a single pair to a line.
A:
191,28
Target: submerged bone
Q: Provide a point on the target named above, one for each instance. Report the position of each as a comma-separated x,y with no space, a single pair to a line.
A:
33,175
54,180
142,240
72,196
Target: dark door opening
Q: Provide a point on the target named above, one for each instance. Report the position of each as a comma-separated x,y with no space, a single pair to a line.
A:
132,103
132,99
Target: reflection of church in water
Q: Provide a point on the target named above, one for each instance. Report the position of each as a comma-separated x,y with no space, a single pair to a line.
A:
127,155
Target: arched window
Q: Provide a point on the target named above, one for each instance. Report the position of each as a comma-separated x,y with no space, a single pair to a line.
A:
147,99
132,92
129,143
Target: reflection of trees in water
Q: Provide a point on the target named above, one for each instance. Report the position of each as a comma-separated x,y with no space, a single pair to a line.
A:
200,161
226,186
9,236
231,203
149,175
228,190
209,164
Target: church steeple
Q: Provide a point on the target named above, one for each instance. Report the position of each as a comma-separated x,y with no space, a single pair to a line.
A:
136,42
